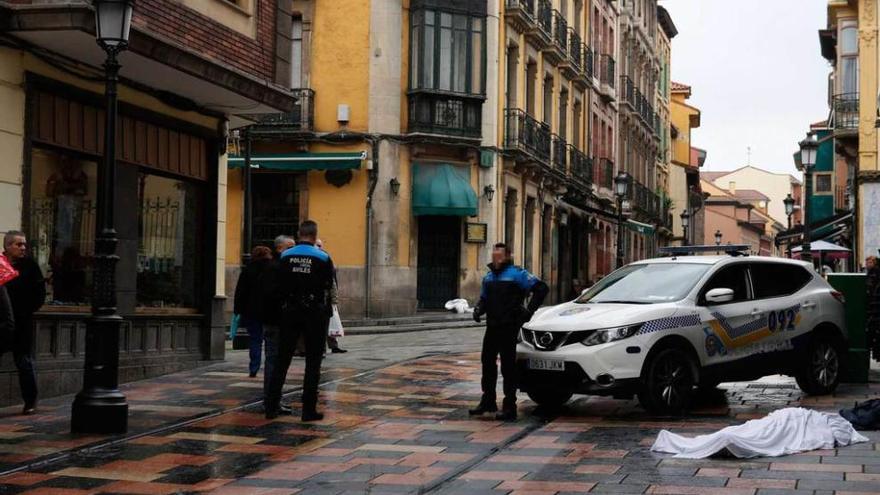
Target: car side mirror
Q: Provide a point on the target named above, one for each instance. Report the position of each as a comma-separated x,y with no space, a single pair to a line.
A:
719,295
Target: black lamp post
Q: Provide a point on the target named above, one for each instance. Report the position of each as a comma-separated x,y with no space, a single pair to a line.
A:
809,148
789,209
100,407
685,222
621,186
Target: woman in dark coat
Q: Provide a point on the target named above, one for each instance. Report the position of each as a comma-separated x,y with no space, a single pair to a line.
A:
872,306
250,302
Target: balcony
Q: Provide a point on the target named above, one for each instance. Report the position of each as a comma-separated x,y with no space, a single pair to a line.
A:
580,166
658,131
589,63
574,68
559,149
444,114
557,51
603,174
845,114
300,119
541,32
628,92
520,14
526,136
606,76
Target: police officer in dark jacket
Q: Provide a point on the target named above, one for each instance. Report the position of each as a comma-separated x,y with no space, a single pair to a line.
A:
305,279
504,291
27,292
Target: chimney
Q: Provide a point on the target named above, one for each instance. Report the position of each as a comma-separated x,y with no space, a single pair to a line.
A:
732,187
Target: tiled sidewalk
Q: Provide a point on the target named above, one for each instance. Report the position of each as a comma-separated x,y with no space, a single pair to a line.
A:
404,429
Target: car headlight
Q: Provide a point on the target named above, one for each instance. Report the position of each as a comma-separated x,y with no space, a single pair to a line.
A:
611,334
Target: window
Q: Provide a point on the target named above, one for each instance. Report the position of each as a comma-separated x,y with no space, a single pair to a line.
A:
296,53
576,125
169,256
734,277
529,234
822,183
548,100
563,114
62,224
849,59
531,95
646,284
275,206
448,52
512,72
510,218
775,279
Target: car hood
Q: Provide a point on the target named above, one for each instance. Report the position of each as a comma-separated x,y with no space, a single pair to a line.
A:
570,317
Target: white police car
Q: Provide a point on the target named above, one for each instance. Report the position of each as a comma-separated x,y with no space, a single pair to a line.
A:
660,328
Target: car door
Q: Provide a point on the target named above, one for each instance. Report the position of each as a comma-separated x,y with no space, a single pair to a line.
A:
727,326
777,288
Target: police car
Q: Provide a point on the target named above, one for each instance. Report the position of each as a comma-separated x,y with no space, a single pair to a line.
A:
663,328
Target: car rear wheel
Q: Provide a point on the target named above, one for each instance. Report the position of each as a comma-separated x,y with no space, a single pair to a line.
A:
550,398
668,382
820,372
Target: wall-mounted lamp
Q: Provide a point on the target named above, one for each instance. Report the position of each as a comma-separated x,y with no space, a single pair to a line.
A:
395,186
489,192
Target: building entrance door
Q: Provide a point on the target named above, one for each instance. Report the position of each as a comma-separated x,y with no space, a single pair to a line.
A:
439,260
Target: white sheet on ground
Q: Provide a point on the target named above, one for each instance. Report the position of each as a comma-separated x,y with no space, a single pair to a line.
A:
786,431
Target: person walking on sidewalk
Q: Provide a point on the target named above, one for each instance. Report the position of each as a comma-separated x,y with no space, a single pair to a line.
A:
305,279
332,342
27,293
872,306
249,303
505,289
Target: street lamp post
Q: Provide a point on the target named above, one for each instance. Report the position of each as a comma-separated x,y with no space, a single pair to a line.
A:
621,185
789,210
685,222
100,407
809,148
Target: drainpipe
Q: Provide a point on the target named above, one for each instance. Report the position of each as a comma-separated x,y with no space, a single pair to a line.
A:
373,180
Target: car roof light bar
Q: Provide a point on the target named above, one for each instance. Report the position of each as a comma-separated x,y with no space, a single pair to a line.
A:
731,249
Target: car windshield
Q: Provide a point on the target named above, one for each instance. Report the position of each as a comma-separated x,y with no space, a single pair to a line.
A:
646,284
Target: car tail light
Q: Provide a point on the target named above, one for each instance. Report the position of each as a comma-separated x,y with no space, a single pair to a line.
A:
839,296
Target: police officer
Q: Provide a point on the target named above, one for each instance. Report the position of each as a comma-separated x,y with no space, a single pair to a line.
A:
305,279
504,291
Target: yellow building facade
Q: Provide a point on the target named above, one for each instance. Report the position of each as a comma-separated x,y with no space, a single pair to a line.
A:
683,179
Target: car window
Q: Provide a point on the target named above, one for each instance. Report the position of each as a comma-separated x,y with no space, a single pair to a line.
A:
646,283
777,279
733,277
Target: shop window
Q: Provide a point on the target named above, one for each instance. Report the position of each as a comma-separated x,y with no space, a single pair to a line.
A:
170,249
276,207
61,224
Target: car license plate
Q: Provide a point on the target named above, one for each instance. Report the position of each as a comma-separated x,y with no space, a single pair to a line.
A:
546,365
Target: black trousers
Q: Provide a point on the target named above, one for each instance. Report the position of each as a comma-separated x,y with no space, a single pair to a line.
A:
312,325
499,340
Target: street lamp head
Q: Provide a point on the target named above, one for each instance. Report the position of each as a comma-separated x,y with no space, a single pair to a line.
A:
718,236
685,219
789,204
621,184
113,23
489,192
395,186
809,149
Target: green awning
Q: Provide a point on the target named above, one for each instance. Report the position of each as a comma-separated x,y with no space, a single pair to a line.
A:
443,189
301,161
641,228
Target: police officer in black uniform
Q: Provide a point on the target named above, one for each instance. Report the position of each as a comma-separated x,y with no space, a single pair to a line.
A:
504,291
304,282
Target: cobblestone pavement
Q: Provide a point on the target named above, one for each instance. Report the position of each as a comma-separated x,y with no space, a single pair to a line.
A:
397,423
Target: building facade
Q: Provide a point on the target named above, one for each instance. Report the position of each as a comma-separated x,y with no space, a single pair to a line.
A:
683,182
190,66
775,186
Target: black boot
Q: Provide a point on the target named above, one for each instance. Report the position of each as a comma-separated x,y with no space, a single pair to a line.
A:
508,412
312,415
485,406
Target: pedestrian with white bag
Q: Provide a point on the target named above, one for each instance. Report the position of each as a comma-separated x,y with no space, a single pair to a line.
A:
334,328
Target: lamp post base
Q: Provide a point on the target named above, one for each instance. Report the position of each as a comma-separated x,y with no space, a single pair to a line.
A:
99,411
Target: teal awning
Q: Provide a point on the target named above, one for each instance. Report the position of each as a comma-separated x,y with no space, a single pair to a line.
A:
301,161
442,189
641,228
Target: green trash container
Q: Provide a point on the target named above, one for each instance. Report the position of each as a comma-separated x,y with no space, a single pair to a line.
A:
857,363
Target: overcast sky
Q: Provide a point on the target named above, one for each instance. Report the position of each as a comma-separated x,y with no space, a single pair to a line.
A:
756,73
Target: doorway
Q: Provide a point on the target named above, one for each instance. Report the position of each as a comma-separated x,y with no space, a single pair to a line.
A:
439,262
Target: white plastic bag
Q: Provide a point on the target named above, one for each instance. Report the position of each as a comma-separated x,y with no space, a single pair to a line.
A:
459,306
335,329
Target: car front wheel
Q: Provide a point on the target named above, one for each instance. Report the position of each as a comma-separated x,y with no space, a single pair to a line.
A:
551,398
668,382
820,372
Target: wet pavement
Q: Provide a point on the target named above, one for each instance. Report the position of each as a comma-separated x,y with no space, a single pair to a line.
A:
397,423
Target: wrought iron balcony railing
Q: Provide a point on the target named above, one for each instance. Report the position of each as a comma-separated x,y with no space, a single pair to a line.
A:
606,76
301,118
520,14
580,165
560,153
444,114
628,89
846,111
560,31
589,62
575,50
545,16
525,134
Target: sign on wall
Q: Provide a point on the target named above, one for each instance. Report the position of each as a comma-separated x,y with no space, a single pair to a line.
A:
475,232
